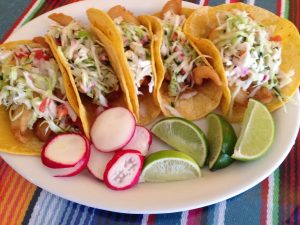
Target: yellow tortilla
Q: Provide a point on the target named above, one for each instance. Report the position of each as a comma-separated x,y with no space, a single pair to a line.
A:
82,104
8,142
207,96
203,21
146,107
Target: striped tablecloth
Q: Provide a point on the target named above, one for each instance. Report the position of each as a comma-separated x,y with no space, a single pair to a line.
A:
274,201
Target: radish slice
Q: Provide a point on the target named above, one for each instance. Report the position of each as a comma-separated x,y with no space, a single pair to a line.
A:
140,141
98,161
124,169
64,150
113,129
80,165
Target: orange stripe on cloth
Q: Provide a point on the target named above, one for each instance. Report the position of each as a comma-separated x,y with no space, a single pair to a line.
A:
15,196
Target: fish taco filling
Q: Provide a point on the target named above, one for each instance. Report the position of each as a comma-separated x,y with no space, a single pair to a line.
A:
89,62
32,90
251,58
136,41
185,67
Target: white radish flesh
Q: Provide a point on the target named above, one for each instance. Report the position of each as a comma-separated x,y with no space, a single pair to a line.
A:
124,169
64,150
140,141
113,129
98,161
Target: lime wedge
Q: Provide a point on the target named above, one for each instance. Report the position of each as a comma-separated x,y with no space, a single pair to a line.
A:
169,165
184,136
257,133
221,141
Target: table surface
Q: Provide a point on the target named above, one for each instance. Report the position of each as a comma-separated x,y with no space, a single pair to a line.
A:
274,201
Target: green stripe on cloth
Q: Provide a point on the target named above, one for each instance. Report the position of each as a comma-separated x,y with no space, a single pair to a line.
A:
276,197
34,11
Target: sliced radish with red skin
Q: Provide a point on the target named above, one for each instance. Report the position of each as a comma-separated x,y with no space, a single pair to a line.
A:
98,161
64,150
124,169
140,141
80,165
113,129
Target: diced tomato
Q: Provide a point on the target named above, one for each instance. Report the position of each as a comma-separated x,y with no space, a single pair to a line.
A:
145,40
44,104
276,38
21,55
182,72
40,54
174,36
62,111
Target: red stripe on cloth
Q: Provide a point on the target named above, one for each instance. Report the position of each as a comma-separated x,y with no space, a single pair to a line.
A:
285,190
293,188
278,7
15,194
206,2
151,219
264,202
18,21
297,19
234,1
194,217
49,4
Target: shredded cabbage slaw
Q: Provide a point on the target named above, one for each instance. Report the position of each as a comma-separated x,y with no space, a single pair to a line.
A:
251,55
179,56
29,77
88,59
136,42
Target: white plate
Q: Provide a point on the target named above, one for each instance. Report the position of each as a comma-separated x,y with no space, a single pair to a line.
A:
151,197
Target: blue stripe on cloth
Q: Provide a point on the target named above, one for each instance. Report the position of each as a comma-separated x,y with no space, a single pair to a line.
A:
13,10
31,206
248,205
60,211
216,2
269,5
210,214
171,218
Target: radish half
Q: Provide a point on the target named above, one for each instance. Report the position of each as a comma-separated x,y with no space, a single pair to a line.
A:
61,150
113,129
98,161
64,150
124,169
140,141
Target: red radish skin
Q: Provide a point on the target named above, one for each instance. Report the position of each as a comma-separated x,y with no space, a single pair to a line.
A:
141,140
113,129
125,164
77,168
53,155
98,161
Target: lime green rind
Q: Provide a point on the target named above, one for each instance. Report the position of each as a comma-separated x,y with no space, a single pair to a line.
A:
257,135
195,147
221,139
168,160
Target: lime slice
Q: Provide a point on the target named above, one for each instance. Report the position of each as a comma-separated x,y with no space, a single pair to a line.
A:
184,136
257,132
221,141
169,165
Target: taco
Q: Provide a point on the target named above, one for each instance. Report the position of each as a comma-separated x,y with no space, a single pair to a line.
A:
133,42
191,84
260,53
91,65
35,98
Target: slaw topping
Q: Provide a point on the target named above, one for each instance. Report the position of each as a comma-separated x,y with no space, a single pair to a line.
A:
136,42
29,77
88,60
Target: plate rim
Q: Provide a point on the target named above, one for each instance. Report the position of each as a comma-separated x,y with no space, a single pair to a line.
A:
6,157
